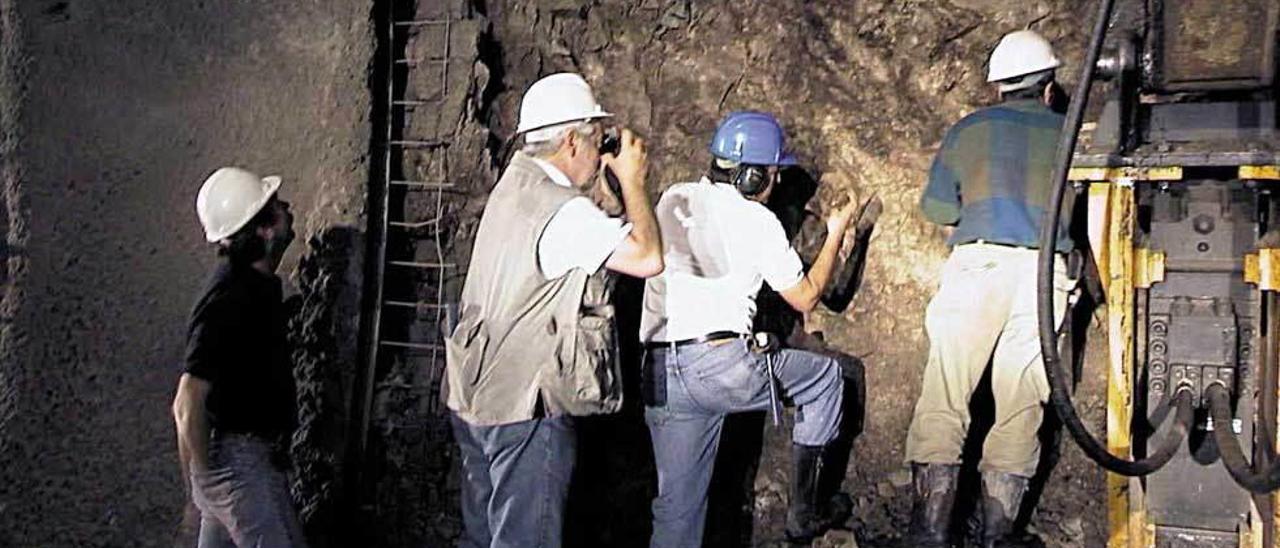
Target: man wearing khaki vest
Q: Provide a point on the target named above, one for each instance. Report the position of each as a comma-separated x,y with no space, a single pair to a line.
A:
534,344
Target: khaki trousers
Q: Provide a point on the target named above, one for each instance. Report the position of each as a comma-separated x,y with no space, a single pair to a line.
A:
985,312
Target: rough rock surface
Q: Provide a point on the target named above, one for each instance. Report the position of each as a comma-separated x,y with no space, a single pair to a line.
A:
112,113
865,90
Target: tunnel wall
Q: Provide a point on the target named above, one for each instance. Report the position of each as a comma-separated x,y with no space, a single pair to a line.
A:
113,113
865,91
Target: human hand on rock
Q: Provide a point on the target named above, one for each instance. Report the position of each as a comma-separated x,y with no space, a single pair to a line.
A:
865,218
838,221
869,213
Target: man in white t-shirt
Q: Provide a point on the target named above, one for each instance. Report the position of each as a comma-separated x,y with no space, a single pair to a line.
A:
534,343
720,244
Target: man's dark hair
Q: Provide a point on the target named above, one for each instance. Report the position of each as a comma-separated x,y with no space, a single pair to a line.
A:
245,246
1034,92
719,174
1036,82
1059,100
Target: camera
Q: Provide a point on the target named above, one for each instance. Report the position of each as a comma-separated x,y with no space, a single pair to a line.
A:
610,143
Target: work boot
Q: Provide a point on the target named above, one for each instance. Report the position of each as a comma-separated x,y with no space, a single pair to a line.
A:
1001,499
934,487
813,510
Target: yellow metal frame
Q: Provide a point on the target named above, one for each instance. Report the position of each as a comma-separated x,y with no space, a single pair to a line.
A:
1148,267
1263,269
1266,173
1171,173
1122,267
1112,221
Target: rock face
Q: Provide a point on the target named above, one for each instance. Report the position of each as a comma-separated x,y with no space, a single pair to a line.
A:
865,90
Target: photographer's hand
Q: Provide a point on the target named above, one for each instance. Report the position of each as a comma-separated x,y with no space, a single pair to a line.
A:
631,162
640,254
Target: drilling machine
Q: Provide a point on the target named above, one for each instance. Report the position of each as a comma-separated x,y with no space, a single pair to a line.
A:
1181,179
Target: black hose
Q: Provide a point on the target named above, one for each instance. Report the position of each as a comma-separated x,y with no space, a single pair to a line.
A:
1264,449
1060,395
1184,415
1260,481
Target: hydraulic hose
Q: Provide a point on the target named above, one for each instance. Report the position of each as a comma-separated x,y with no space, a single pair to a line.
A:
1265,450
1060,394
1184,415
1260,481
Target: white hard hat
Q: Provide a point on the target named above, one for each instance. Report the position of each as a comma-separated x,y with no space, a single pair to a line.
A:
554,100
1020,53
229,198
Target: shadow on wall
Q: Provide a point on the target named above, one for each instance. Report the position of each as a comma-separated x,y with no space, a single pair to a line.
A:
614,480
327,312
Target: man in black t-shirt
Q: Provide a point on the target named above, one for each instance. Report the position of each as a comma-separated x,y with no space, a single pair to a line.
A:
235,406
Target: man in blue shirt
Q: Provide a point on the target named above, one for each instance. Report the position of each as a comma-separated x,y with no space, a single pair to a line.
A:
990,183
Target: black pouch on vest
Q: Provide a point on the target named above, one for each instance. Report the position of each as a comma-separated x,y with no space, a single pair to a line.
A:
653,381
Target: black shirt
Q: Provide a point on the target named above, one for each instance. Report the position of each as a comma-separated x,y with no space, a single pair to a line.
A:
236,341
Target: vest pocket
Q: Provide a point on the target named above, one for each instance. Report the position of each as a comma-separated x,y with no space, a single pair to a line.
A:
464,352
592,351
588,382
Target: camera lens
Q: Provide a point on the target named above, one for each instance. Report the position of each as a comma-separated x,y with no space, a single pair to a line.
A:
609,143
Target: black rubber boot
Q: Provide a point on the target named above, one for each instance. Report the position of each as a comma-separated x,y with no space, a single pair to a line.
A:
835,455
815,507
1001,499
835,506
934,487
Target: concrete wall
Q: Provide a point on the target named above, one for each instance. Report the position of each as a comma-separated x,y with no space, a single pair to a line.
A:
118,110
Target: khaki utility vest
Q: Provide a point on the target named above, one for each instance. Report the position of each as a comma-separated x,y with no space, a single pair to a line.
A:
521,339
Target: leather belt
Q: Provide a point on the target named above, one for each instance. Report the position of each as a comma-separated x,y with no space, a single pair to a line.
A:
1001,244
709,337
1013,246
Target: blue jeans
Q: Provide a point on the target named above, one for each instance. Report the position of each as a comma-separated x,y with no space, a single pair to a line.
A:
244,498
690,389
515,478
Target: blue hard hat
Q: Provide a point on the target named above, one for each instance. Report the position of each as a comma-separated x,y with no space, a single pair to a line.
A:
751,138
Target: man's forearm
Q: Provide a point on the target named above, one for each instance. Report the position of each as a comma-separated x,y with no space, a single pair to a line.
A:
820,273
644,225
193,438
184,458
